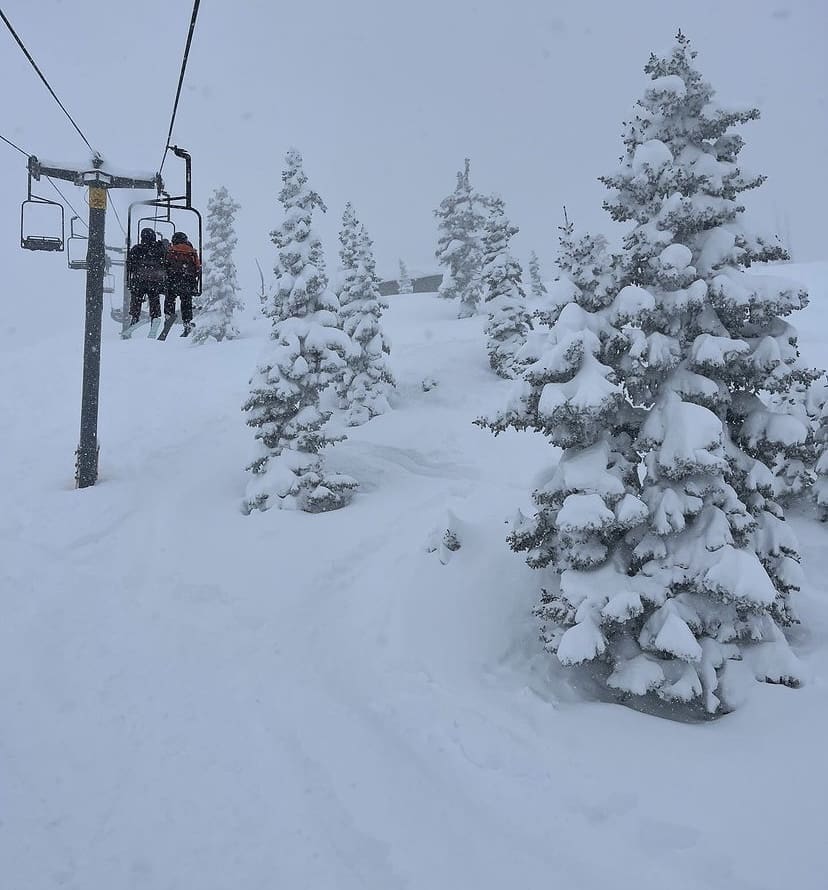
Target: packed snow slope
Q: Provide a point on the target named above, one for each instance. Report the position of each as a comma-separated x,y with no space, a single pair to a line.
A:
194,698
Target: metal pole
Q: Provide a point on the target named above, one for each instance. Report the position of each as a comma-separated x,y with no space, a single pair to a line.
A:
87,454
125,303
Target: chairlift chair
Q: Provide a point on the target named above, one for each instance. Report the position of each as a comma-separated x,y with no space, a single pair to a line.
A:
31,240
77,246
166,207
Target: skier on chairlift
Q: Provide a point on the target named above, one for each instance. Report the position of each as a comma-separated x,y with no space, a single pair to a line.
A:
146,276
183,266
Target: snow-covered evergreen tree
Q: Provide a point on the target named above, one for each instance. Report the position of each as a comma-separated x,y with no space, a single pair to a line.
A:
685,599
509,321
220,298
716,564
307,350
793,466
586,273
461,218
821,468
406,285
538,288
570,393
366,380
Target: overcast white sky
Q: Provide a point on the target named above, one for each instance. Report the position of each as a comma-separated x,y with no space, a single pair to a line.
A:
385,99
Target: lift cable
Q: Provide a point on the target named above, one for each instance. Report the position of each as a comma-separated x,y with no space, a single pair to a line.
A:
196,4
115,211
42,77
55,187
9,142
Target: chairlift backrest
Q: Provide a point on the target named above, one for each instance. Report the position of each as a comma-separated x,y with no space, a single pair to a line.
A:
32,234
77,246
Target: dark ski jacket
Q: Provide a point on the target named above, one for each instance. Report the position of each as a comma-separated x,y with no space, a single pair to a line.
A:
183,265
147,266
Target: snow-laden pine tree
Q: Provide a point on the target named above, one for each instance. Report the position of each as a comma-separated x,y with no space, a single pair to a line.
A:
220,298
793,466
821,468
537,287
461,220
587,273
366,380
712,570
406,285
509,320
307,350
570,393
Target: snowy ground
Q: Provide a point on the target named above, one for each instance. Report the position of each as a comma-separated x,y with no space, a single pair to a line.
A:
192,699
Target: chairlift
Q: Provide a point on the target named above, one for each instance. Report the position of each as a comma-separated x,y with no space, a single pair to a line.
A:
166,207
31,218
108,283
77,246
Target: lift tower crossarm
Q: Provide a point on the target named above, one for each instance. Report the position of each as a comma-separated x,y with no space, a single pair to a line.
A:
96,176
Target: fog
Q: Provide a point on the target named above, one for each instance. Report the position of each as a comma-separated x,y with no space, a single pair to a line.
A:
386,99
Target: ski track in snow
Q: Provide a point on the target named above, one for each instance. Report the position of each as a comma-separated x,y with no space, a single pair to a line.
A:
195,698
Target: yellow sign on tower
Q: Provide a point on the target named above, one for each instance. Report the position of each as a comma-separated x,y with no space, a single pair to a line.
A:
97,198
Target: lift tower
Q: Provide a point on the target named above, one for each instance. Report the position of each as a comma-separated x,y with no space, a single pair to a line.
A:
98,181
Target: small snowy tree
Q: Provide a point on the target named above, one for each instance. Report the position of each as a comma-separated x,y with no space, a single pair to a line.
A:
406,285
366,381
307,350
459,249
509,321
538,288
220,292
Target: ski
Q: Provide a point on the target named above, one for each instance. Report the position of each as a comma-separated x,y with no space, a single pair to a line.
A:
128,332
168,323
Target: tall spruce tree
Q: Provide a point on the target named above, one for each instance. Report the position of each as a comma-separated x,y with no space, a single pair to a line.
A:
716,564
689,603
461,220
509,321
366,380
537,287
406,285
220,292
307,351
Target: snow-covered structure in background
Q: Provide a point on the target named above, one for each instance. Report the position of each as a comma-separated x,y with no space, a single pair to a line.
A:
220,300
537,287
307,351
366,381
406,285
689,603
509,321
461,219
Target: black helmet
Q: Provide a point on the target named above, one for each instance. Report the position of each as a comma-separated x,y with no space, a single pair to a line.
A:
179,238
147,236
